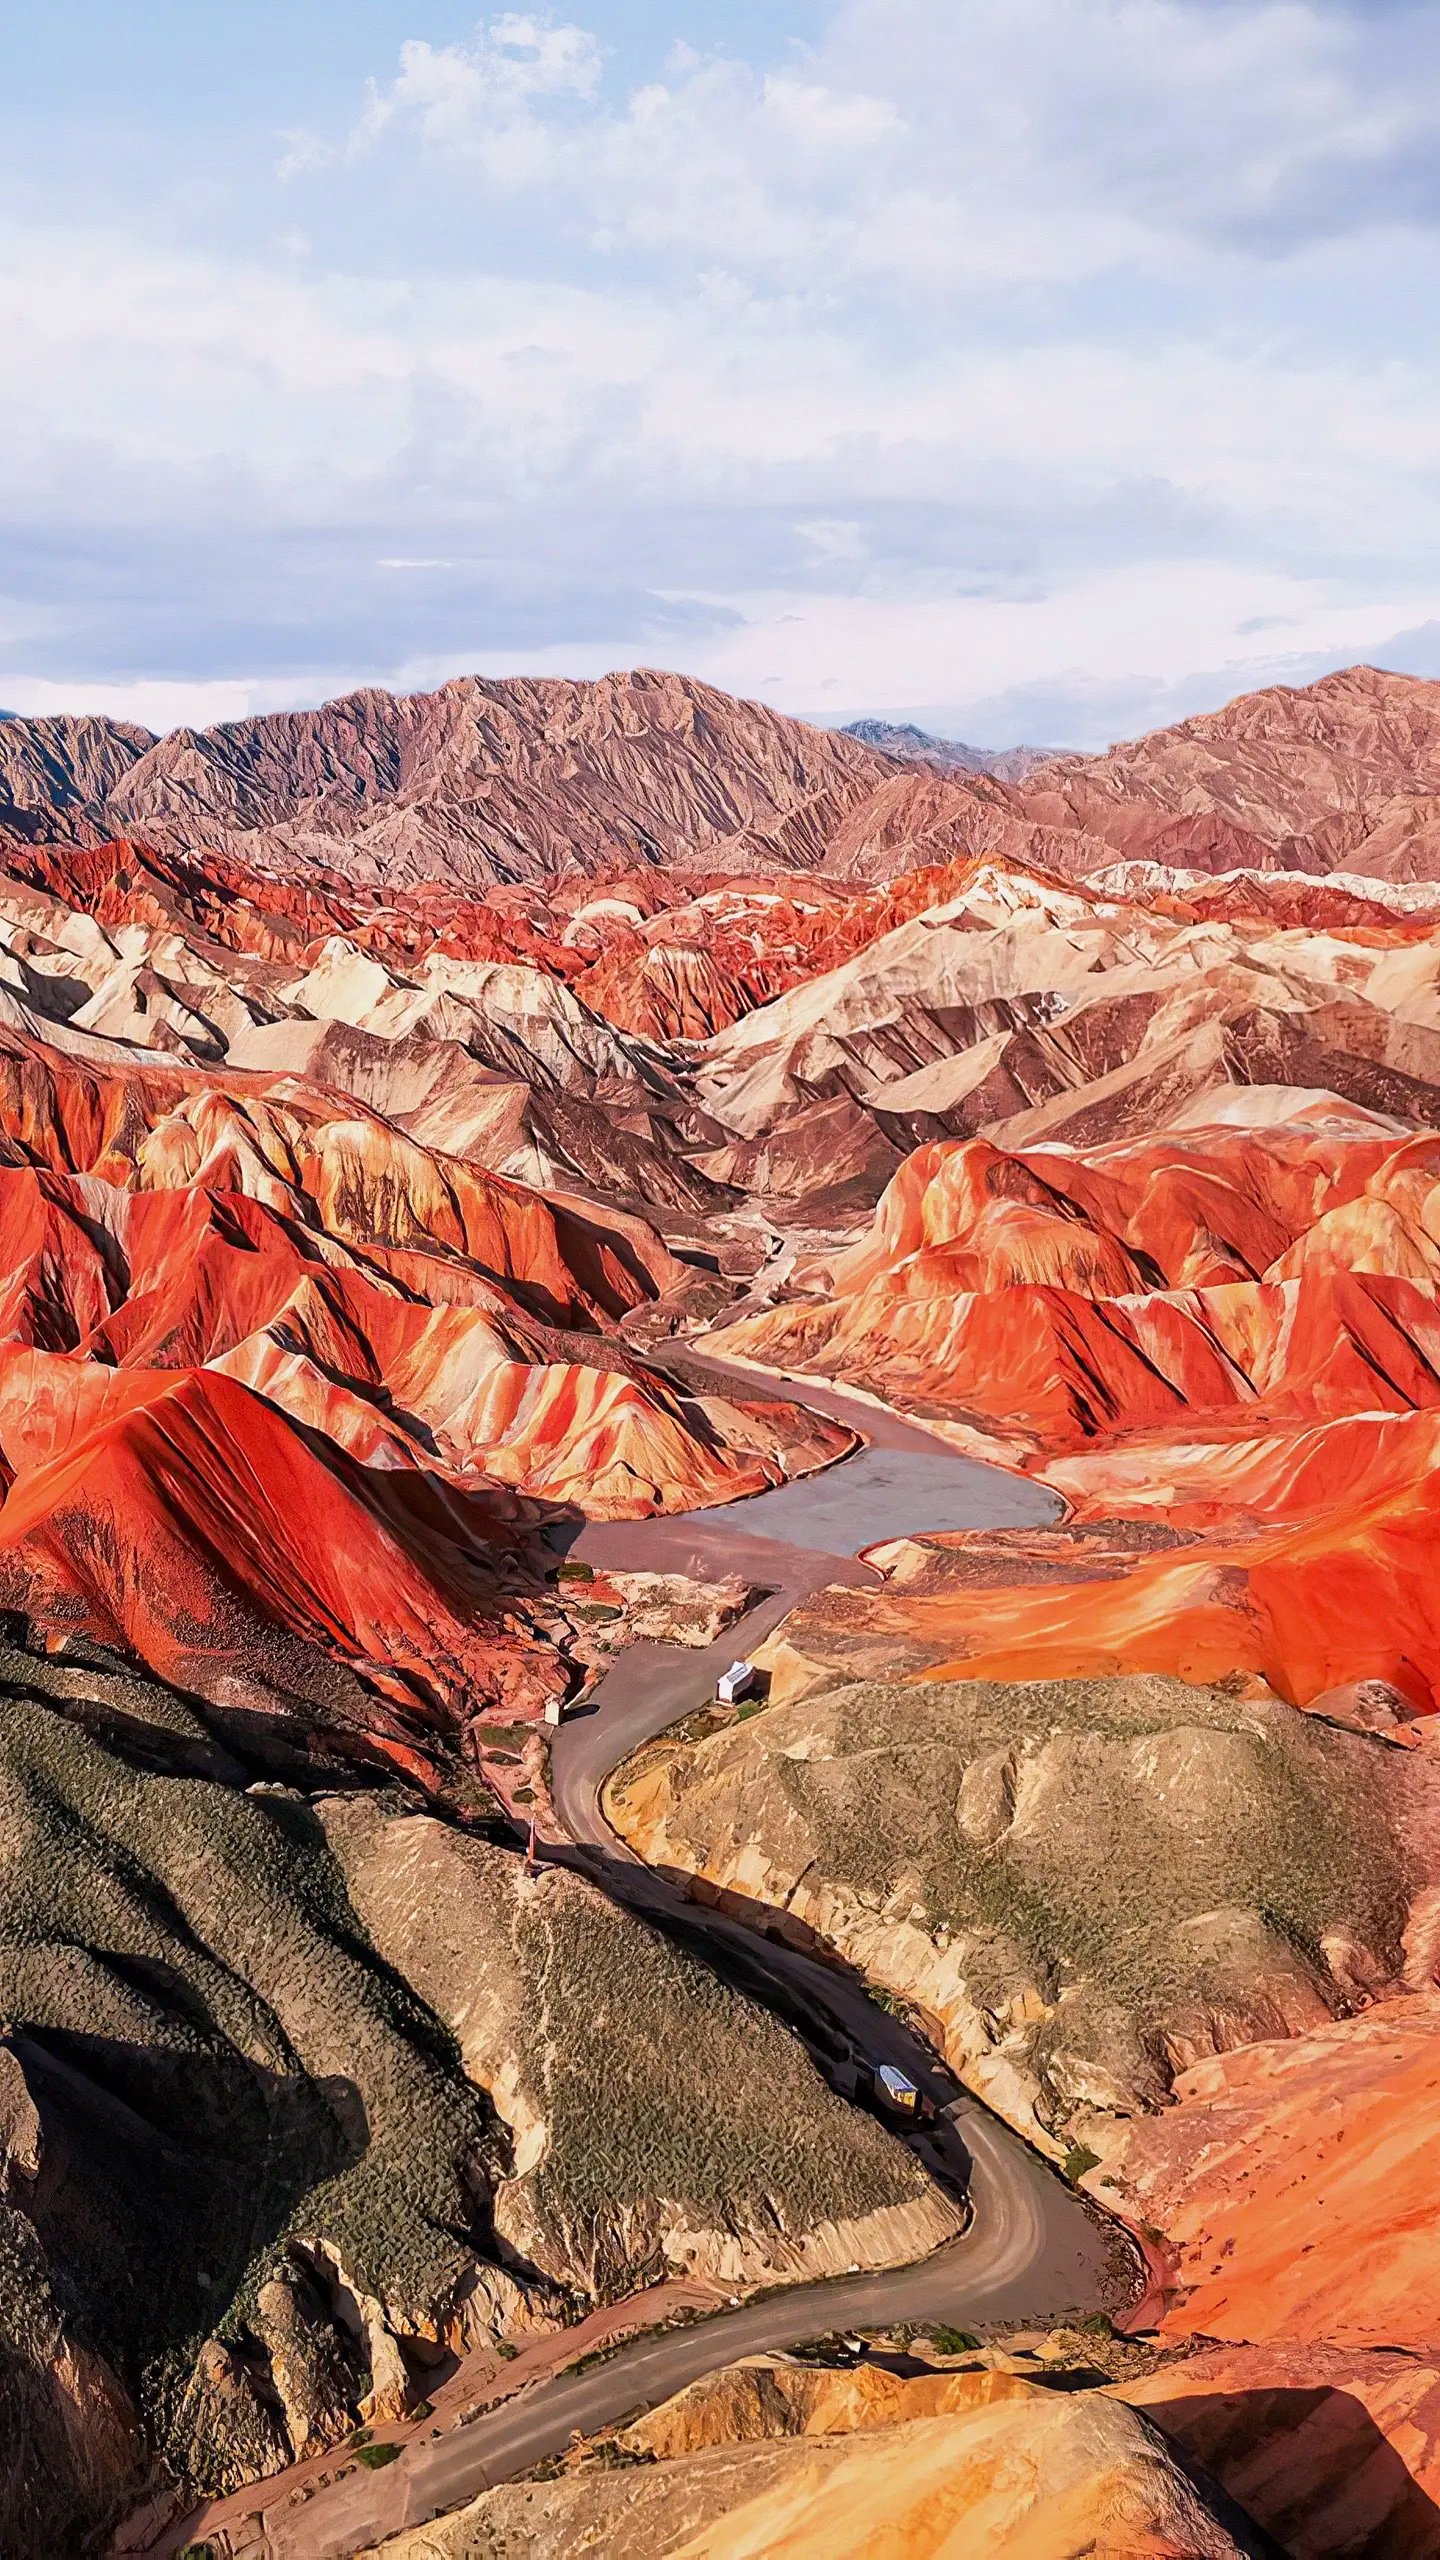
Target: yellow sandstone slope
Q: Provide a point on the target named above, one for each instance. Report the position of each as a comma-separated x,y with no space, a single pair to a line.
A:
1010,2472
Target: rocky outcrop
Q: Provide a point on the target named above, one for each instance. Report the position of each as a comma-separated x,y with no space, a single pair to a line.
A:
768,2397
61,768
1027,2475
1292,2181
1336,2453
618,2171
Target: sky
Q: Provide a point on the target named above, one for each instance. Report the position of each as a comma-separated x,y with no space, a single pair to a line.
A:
1039,370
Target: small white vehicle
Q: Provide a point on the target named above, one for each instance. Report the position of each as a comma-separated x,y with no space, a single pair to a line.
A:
740,1681
897,2090
554,1711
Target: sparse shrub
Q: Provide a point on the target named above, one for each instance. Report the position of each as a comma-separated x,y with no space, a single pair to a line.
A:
953,2342
377,2457
612,2456
1079,2161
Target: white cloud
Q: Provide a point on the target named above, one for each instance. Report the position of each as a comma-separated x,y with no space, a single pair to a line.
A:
314,389
1117,632
480,95
979,343
149,705
963,140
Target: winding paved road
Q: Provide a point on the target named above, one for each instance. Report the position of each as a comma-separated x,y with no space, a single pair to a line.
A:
1030,2250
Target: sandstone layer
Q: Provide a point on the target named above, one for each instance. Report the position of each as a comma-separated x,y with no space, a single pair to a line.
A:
1017,2475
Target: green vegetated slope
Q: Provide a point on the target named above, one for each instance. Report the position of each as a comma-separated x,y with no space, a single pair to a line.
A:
266,2124
658,2115
1088,1882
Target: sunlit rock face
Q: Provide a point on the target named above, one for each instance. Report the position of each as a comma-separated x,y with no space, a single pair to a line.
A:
1010,2472
479,782
1226,1337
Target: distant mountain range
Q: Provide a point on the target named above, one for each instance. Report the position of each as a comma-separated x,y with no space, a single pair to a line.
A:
909,745
486,784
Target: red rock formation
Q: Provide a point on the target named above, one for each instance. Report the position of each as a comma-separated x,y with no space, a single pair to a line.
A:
1319,778
1335,2452
159,1513
274,1373
1283,1428
1067,1296
1295,2179
239,908
1340,1594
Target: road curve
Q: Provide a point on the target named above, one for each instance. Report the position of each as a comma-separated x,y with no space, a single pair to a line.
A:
1030,2251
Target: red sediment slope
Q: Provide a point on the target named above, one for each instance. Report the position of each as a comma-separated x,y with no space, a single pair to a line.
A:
1335,2451
239,908
1296,2181
183,1520
405,1357
1240,1344
272,1376
326,1162
1338,1594
1055,1297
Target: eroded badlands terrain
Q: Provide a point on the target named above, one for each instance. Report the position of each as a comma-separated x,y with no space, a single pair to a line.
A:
392,1097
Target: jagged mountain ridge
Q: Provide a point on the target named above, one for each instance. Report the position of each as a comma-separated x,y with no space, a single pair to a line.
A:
530,780
1341,774
911,745
479,782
